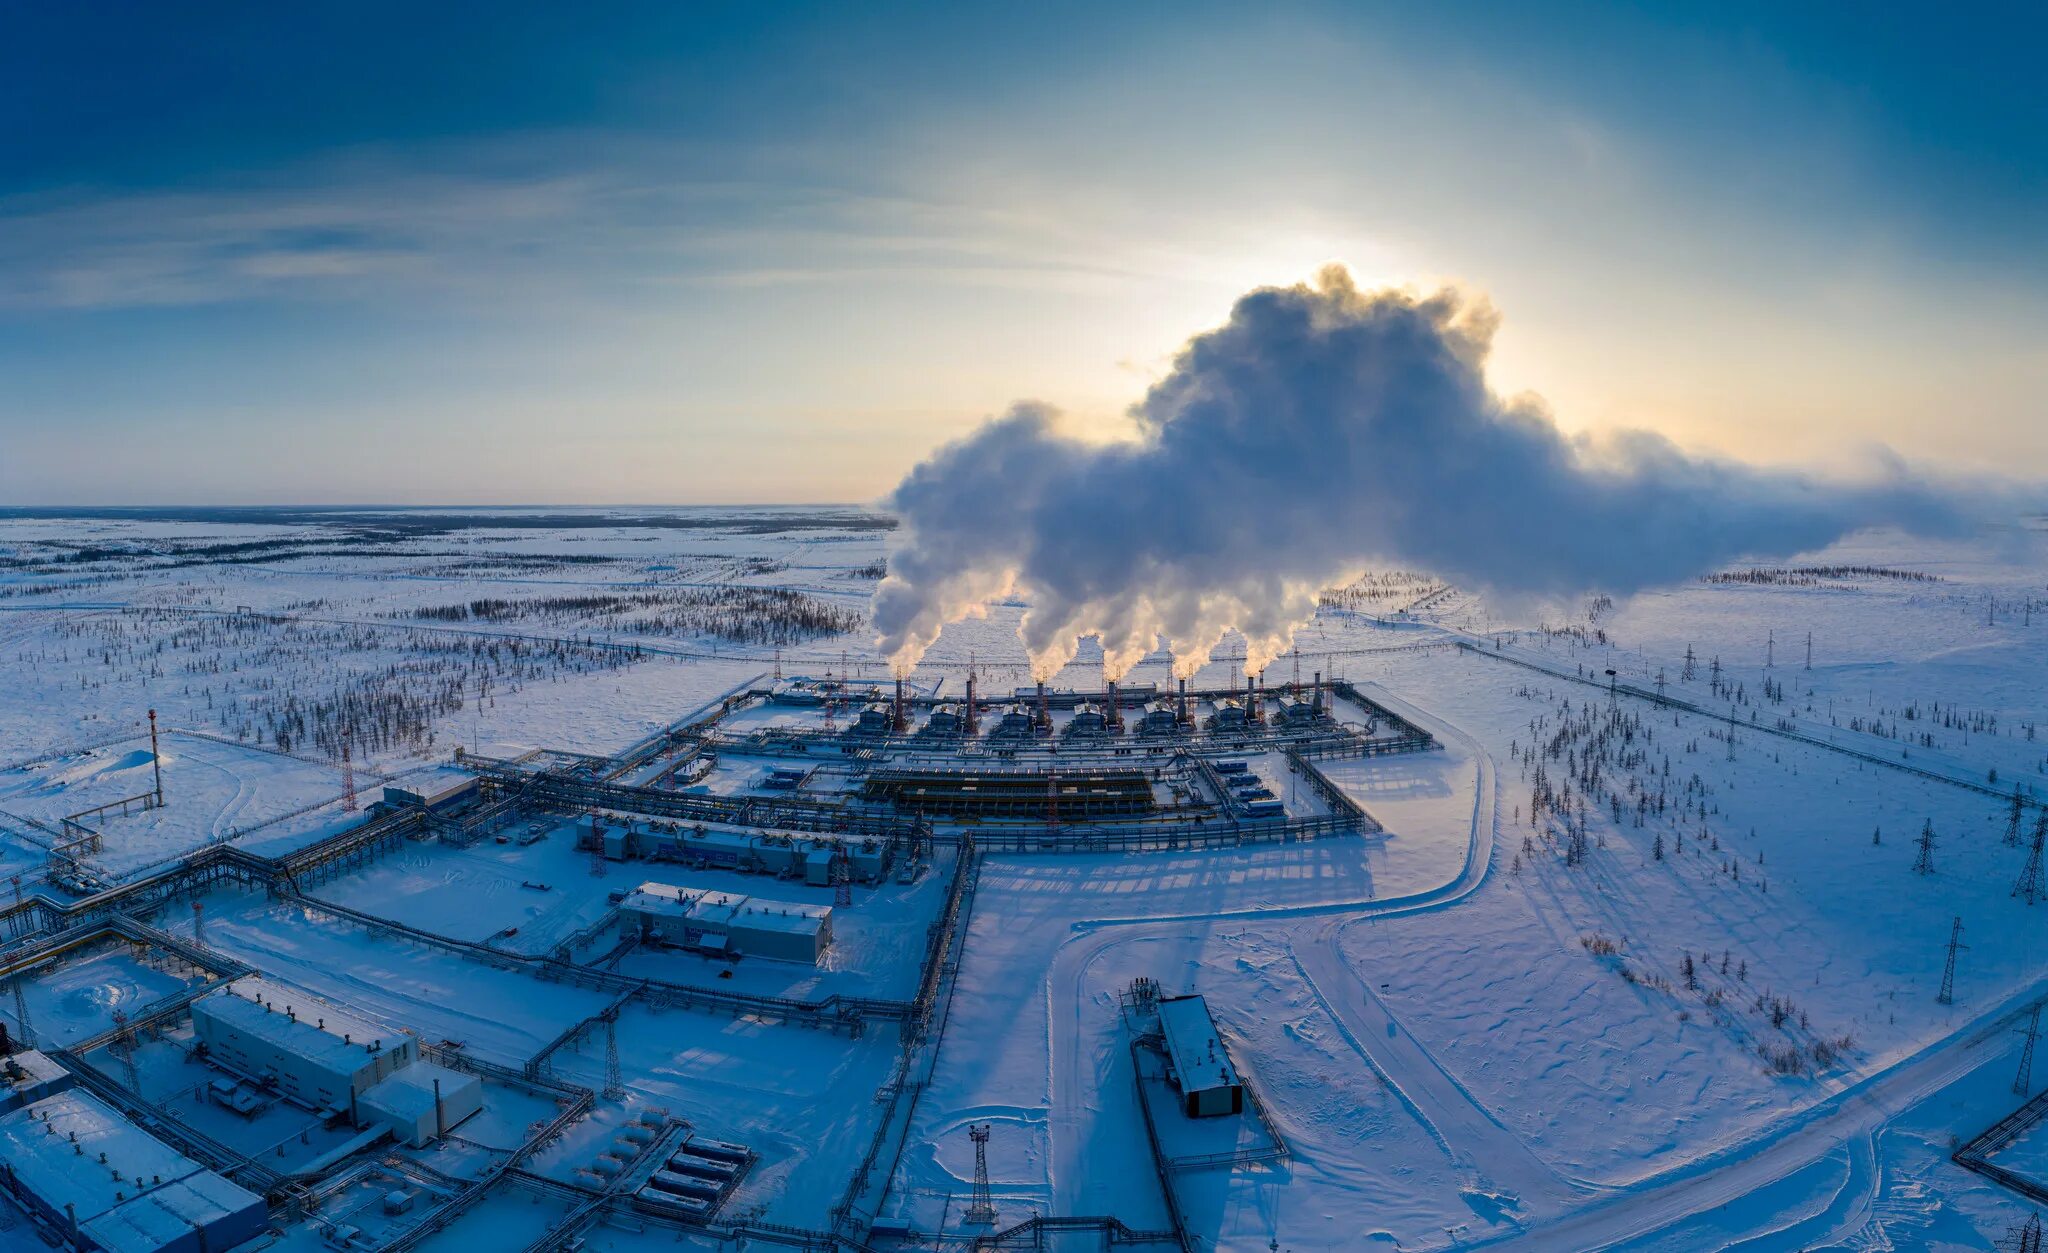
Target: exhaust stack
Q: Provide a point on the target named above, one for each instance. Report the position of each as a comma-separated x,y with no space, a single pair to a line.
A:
1318,705
1184,719
1116,711
899,721
971,719
1044,710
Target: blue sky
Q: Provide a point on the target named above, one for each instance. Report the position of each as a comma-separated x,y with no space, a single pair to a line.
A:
706,253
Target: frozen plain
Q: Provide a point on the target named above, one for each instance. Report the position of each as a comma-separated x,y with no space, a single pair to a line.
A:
1464,1039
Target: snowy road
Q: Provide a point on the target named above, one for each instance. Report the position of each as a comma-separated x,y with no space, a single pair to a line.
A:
1736,1170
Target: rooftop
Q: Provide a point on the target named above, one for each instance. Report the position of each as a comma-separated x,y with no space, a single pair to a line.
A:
1199,1058
409,1093
296,1023
725,909
55,1147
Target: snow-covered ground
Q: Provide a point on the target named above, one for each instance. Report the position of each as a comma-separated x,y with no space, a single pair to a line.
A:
1616,974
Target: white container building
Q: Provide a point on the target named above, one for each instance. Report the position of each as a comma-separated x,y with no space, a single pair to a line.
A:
28,1077
111,1186
313,1053
1201,1065
423,1102
712,921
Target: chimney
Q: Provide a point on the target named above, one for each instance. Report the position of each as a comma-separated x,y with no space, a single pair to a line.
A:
1318,706
972,721
1044,710
1184,702
1253,707
899,722
1116,711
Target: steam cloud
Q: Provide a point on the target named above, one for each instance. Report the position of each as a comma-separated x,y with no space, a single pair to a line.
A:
1320,431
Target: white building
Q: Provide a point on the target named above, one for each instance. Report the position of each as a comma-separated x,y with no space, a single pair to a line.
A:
714,921
310,1051
28,1077
423,1102
111,1186
1201,1066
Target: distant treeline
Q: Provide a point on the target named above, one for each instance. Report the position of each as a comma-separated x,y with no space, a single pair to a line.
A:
1807,576
741,615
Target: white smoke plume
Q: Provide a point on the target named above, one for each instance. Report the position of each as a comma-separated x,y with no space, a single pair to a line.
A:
1320,431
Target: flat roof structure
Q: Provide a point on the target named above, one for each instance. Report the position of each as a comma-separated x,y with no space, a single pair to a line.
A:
1079,794
29,1076
1201,1065
407,1100
74,1157
294,1022
315,1054
707,919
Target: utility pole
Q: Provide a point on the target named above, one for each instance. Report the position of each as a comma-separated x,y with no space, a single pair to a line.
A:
982,1211
1948,972
156,760
2024,1083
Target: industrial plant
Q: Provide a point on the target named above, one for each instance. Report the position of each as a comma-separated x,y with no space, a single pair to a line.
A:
758,841
1417,935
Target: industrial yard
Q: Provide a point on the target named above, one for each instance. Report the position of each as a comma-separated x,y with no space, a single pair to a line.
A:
431,883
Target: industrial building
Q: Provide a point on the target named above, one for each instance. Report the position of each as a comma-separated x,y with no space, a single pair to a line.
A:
440,790
29,1076
422,1102
945,720
108,1185
727,922
1088,722
962,793
1160,719
311,1052
735,848
1201,1065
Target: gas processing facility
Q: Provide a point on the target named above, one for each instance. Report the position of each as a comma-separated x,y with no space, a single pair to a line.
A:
799,856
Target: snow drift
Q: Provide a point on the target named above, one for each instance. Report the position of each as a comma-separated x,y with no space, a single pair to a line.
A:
1320,431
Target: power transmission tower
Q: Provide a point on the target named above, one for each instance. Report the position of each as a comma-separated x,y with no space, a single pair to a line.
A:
1809,650
2025,1238
1948,972
124,1048
982,1212
614,1078
348,779
2024,1082
2030,887
1924,863
2012,820
28,1032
